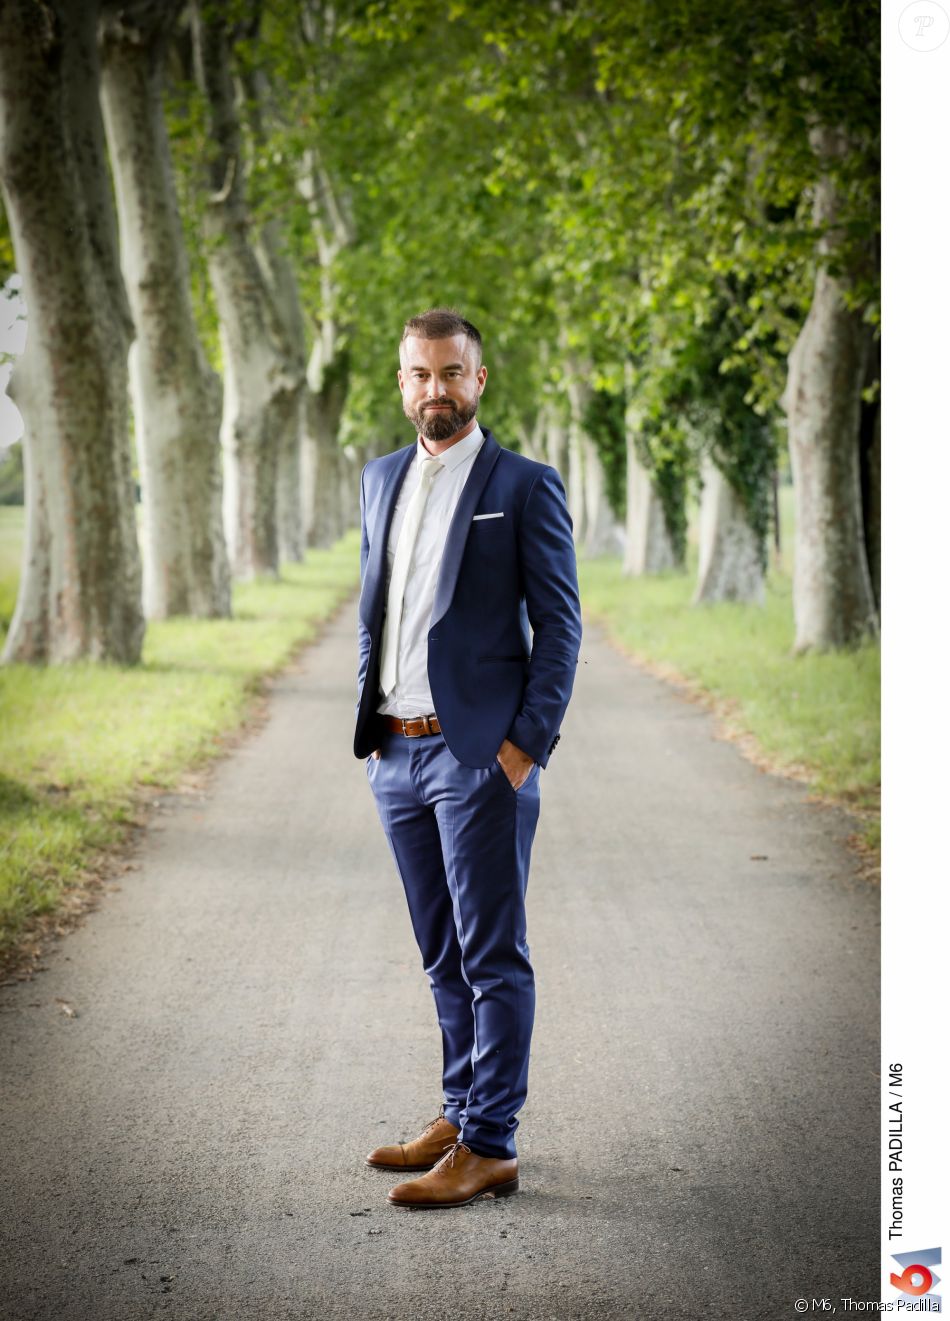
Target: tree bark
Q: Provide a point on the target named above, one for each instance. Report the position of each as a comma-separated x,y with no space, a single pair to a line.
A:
531,437
870,429
556,441
328,370
872,508
650,547
578,394
326,396
176,396
288,318
595,527
258,380
832,593
288,323
354,459
80,589
731,557
776,521
602,535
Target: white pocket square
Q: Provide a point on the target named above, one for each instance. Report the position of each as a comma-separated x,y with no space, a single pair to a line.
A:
476,517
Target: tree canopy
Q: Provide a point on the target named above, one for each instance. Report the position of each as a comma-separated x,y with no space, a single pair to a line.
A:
634,199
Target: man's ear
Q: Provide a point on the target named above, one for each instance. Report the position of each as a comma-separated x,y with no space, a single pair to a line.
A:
399,379
481,376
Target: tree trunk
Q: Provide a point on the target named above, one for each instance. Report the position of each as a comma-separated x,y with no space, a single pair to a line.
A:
872,508
288,319
80,590
328,371
355,458
531,438
871,473
776,521
291,533
176,396
650,547
595,526
601,534
556,441
288,323
832,593
258,380
578,393
731,557
326,398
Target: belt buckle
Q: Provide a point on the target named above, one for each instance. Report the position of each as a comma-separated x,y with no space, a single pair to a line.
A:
407,720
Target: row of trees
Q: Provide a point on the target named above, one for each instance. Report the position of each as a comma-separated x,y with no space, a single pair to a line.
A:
663,218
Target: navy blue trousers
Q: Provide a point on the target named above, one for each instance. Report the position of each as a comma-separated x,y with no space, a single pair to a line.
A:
461,838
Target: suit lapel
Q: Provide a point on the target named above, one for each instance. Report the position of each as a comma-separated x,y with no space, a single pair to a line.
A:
371,597
461,524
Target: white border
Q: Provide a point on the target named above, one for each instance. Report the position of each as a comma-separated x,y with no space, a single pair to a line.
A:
916,656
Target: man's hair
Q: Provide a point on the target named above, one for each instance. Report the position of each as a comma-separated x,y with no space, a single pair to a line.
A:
442,323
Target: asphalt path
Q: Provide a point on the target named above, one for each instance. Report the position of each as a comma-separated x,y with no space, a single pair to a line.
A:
251,1017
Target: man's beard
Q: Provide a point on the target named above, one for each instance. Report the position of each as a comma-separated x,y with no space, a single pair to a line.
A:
439,424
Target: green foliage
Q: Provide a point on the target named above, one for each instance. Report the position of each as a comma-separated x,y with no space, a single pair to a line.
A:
11,475
663,449
610,177
740,438
603,421
7,259
185,120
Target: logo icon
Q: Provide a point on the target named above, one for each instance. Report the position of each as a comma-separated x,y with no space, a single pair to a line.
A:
924,25
917,1278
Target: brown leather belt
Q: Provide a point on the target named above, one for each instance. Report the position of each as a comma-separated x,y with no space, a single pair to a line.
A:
414,728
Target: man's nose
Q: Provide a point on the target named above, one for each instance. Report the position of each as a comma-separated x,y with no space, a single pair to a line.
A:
436,390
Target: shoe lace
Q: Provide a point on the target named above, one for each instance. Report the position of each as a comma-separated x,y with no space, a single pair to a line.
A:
451,1150
432,1122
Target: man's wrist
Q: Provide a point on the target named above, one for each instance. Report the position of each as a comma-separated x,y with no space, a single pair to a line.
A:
524,735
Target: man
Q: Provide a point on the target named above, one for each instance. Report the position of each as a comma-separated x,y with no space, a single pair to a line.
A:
465,545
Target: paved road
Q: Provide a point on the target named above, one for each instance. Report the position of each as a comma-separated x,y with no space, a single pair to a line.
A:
701,1135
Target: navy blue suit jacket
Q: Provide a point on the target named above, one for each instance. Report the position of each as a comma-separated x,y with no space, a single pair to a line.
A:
490,679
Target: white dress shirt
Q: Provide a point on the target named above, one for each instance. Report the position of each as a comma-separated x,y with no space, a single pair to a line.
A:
412,695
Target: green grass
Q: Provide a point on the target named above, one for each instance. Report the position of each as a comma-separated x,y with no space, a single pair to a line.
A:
77,741
818,715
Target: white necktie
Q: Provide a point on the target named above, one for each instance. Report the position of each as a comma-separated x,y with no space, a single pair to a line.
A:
408,535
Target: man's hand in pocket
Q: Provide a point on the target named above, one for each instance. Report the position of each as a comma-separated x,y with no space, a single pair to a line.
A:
515,763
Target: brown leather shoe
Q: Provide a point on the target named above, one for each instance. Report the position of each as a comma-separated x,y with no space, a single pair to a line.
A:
459,1178
419,1154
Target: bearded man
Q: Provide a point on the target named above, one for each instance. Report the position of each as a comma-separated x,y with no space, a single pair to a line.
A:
469,632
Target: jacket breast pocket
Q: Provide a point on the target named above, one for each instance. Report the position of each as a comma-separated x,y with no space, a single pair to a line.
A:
490,537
